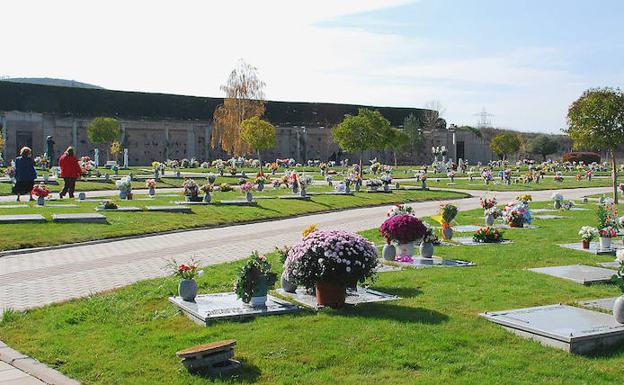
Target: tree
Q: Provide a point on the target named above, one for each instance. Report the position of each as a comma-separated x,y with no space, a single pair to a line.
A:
244,99
396,140
505,144
432,114
365,131
104,131
258,134
543,145
413,128
596,121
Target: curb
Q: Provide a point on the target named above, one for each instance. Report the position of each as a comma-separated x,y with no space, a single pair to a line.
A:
33,367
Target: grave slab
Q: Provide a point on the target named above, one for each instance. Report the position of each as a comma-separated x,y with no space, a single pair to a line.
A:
242,202
329,193
420,262
547,216
543,210
219,306
79,218
63,205
468,241
121,209
23,218
573,329
602,304
192,203
610,265
466,228
13,206
594,248
354,297
170,209
294,197
507,227
578,209
582,274
379,191
382,268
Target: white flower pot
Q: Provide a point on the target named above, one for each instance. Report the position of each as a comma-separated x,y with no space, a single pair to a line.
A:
258,302
605,243
618,309
405,249
388,252
426,250
489,220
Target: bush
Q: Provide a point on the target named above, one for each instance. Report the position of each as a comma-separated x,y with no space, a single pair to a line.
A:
585,157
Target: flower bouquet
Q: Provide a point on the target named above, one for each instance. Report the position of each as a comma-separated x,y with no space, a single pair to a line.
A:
557,198
41,191
232,170
151,187
254,280
587,234
386,179
108,205
447,213
607,223
187,272
516,214
428,241
373,184
125,187
191,190
488,234
524,198
400,210
246,188
10,172
331,261
404,230
225,187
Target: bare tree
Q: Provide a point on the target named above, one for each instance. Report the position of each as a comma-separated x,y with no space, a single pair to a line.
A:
433,112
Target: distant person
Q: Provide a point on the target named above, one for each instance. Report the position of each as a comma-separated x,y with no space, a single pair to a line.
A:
70,171
25,174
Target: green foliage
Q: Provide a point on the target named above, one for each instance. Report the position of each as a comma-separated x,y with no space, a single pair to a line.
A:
256,270
103,130
543,145
505,144
413,128
596,119
397,140
365,131
258,133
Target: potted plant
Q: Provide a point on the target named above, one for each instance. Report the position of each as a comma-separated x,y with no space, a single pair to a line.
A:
108,205
428,240
400,210
191,190
517,214
293,181
404,230
125,187
447,212
151,187
156,167
488,234
187,272
254,280
423,181
618,279
330,261
587,234
303,184
246,188
232,170
607,223
373,184
41,191
260,181
557,200
451,175
207,189
490,211
386,179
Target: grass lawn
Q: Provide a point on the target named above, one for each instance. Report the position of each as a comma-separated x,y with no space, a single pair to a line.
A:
13,236
432,335
547,184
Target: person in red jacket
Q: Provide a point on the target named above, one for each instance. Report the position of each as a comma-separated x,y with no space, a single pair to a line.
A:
70,171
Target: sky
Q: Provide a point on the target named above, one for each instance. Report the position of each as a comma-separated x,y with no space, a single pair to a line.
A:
523,61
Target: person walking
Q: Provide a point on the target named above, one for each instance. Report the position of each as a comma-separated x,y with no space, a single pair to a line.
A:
70,171
25,173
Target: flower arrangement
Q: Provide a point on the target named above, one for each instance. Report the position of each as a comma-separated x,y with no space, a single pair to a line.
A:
150,183
402,229
310,229
331,256
588,233
206,188
430,236
41,190
305,181
488,203
156,165
224,187
400,210
293,179
108,205
10,172
607,214
273,167
188,270
557,197
618,278
524,198
451,174
246,187
124,184
517,213
607,232
191,189
256,271
373,183
448,212
488,234
375,167
261,178
232,170
386,178
558,177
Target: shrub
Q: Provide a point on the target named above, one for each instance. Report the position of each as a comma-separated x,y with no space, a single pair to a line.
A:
585,157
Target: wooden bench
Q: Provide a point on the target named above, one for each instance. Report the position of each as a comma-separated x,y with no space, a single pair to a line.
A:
215,357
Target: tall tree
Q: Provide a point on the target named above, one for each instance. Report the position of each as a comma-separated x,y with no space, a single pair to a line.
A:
365,131
433,111
258,134
543,145
412,126
244,98
396,141
103,130
596,121
505,144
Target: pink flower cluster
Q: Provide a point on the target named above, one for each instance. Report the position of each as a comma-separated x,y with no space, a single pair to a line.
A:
403,229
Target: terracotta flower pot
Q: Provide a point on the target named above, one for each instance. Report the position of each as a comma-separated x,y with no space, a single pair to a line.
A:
585,244
330,294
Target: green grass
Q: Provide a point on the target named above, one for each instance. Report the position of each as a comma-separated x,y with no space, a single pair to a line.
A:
134,223
547,184
433,335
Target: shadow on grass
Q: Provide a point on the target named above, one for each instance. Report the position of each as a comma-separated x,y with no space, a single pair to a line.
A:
246,374
387,311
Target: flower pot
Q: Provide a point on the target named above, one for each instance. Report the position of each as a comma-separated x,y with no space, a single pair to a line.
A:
388,252
358,186
151,191
557,205
295,189
618,309
259,294
330,294
424,185
373,188
426,249
303,192
405,249
288,286
123,195
489,219
260,186
207,197
187,289
40,201
386,187
347,189
249,196
585,244
605,243
447,232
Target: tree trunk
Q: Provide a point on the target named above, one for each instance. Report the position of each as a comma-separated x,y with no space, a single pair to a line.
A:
361,156
259,160
395,158
615,186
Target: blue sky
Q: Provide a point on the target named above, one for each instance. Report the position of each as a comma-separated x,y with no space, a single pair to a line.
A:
523,61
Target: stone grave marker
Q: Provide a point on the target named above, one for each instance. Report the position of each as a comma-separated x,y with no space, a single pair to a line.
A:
170,209
17,206
121,209
241,202
63,205
215,357
603,304
543,210
354,297
420,262
594,248
547,216
294,197
507,227
577,273
468,241
466,228
202,203
22,218
79,218
610,265
572,329
211,307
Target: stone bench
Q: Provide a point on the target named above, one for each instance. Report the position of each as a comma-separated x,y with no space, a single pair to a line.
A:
170,209
215,357
23,218
79,218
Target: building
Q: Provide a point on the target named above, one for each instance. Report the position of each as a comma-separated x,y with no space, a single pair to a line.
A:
163,126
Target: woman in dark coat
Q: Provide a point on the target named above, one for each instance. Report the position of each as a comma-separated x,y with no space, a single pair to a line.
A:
25,174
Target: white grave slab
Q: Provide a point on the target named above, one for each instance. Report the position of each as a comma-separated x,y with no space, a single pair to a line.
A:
170,209
547,216
121,209
610,265
468,241
192,203
603,304
594,248
572,329
63,205
211,307
354,297
242,202
578,273
294,197
23,218
507,227
543,210
466,228
79,218
13,206
420,262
